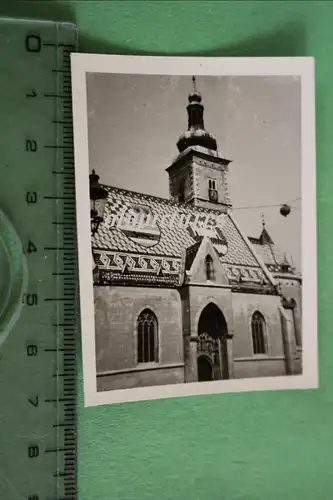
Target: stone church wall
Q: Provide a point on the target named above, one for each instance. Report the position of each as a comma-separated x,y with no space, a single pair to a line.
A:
117,310
292,289
245,363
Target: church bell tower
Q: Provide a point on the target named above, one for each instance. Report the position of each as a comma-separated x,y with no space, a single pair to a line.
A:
198,175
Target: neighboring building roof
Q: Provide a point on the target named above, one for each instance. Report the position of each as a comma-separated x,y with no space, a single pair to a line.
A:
165,244
264,238
273,257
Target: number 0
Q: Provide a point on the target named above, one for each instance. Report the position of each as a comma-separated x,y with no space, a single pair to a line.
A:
33,43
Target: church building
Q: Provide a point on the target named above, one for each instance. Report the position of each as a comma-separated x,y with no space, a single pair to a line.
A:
181,293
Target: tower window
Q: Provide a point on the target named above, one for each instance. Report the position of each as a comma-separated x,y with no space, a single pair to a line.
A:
258,327
212,191
181,191
209,267
147,346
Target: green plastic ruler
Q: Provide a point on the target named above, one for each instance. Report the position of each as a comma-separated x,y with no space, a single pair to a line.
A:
38,286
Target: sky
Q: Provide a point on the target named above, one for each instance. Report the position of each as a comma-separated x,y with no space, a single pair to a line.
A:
134,122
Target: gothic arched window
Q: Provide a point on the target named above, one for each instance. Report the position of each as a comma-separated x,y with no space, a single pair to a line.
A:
147,342
209,267
258,327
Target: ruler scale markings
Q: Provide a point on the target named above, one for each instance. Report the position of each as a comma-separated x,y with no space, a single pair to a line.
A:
57,96
63,274
45,80
62,424
56,197
66,123
64,145
67,174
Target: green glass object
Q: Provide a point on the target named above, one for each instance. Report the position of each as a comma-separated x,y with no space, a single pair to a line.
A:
13,277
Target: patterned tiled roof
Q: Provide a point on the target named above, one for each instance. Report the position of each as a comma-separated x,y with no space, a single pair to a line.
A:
190,254
270,254
172,239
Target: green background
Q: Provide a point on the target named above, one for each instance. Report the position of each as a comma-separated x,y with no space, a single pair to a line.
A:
252,446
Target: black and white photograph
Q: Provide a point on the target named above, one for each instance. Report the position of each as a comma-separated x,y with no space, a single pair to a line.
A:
195,182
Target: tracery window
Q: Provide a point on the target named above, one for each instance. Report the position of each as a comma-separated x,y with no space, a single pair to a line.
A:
209,267
258,327
147,341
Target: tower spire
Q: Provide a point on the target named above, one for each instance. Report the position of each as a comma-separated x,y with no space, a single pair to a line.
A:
265,238
196,135
198,176
263,220
194,84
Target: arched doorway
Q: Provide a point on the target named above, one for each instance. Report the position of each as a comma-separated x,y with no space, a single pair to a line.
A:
212,345
205,369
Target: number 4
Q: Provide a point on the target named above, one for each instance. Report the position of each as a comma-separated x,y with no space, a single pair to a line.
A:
31,247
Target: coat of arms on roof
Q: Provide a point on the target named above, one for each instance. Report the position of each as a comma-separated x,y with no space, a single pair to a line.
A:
140,225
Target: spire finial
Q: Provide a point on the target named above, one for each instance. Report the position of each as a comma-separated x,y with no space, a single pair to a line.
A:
194,96
194,84
263,220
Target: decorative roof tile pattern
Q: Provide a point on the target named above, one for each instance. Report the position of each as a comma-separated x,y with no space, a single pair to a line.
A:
271,255
190,254
178,225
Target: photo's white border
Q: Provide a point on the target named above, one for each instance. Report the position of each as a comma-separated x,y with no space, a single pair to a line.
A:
151,65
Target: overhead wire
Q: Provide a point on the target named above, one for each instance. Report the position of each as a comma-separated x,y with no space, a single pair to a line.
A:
268,206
